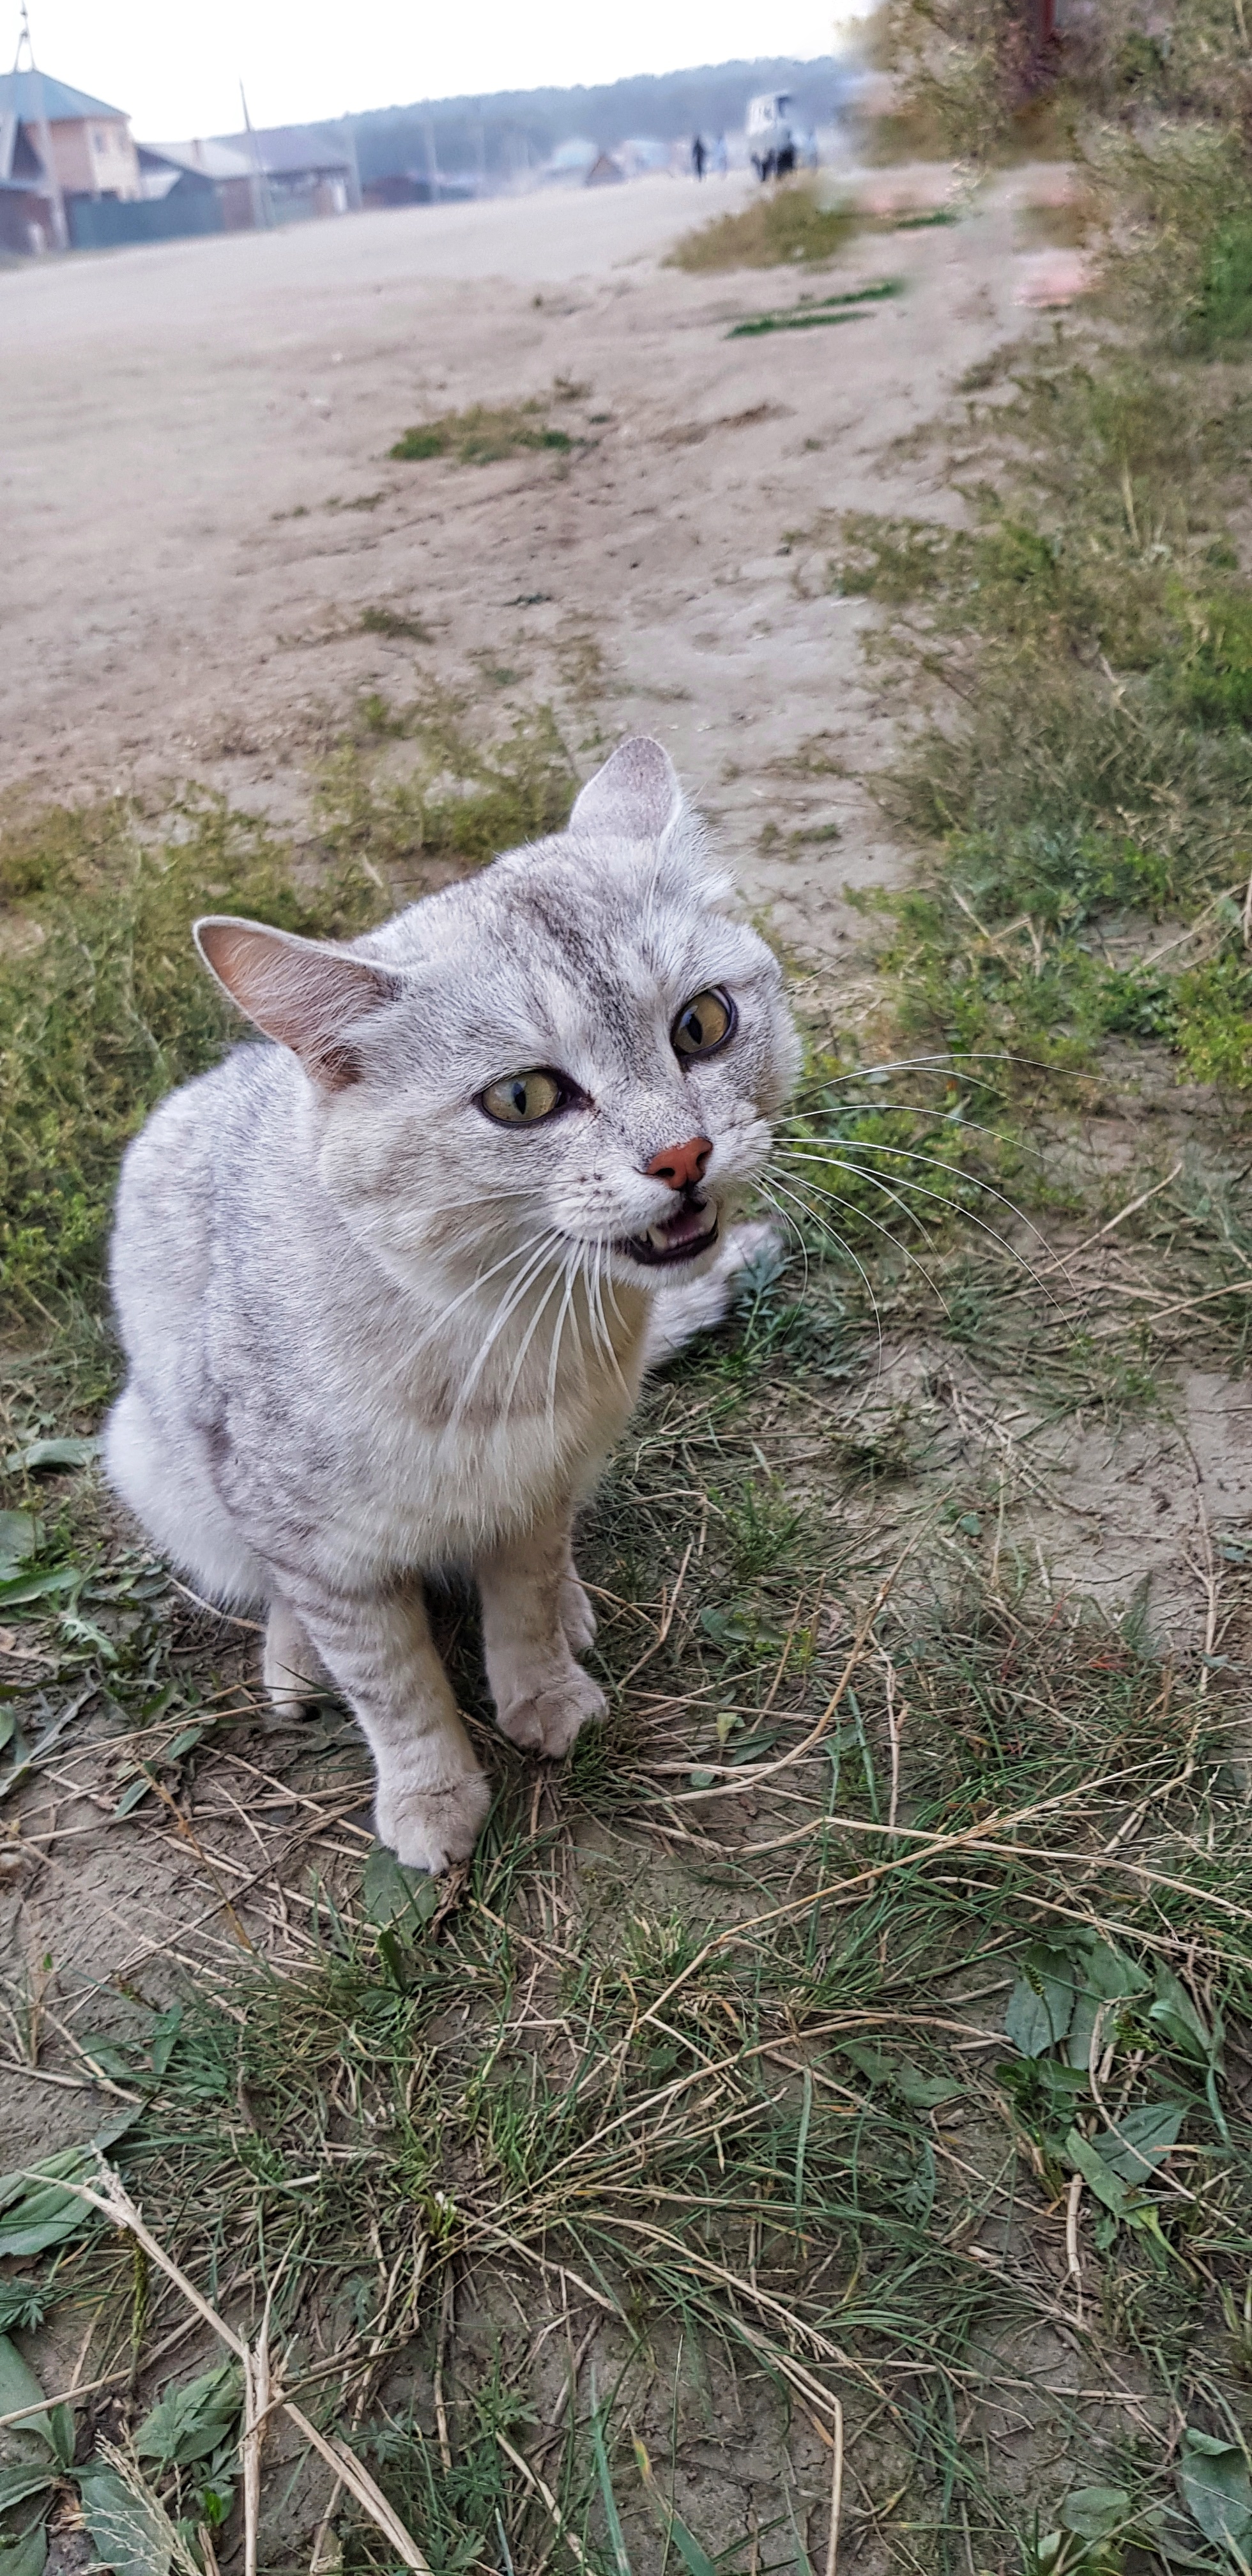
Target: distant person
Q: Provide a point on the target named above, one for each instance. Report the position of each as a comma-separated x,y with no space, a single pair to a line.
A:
698,156
721,157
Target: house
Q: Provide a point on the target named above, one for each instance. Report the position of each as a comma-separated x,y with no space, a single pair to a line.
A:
93,152
60,150
180,175
303,174
28,211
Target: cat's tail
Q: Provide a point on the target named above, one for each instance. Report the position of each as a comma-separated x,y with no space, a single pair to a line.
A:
677,1314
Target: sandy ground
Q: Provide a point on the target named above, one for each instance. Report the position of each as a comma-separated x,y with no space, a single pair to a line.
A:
199,502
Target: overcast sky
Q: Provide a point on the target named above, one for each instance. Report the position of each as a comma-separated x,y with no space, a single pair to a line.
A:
175,65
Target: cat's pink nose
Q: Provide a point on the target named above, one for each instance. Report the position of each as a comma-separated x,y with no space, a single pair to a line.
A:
681,1165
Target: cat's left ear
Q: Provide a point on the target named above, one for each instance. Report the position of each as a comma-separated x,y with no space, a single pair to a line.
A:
635,797
304,992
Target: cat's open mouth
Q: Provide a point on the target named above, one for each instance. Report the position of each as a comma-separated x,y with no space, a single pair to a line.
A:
682,1238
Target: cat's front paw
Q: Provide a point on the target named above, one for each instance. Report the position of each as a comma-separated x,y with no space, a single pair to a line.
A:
548,1720
432,1828
578,1619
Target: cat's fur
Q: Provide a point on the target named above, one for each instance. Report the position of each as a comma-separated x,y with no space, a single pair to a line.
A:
373,1334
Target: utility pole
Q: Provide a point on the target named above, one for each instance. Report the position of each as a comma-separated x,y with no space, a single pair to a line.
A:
56,200
432,164
262,209
348,131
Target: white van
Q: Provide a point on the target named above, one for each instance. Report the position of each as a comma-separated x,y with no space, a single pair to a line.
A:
771,142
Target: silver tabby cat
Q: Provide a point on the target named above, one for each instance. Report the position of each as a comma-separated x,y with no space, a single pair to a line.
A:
388,1288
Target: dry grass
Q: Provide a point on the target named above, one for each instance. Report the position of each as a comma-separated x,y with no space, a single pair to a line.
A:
784,225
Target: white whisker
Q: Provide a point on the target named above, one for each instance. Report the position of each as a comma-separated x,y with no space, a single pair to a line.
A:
573,1272
507,1307
970,1214
838,1200
527,1338
834,1237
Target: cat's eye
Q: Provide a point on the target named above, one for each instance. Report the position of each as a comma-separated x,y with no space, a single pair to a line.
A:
523,1099
703,1024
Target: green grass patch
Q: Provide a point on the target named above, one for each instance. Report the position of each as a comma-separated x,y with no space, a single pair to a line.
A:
784,224
483,435
813,316
106,1006
1090,649
103,1003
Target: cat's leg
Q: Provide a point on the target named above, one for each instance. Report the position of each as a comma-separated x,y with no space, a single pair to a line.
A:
292,1669
431,1798
529,1591
677,1314
578,1619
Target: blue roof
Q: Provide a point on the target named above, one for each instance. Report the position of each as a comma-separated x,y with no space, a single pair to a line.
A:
20,97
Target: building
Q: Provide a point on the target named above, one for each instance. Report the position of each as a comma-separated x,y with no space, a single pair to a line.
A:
303,173
27,210
182,175
93,151
59,148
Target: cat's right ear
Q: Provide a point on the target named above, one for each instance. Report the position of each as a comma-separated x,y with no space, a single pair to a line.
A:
307,994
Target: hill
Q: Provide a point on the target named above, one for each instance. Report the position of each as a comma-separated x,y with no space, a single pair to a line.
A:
501,134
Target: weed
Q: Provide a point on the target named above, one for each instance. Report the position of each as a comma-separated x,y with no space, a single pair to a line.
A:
398,623
813,315
784,224
461,803
1101,773
483,434
112,1007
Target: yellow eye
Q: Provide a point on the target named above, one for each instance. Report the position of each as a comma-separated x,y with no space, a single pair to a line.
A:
522,1099
703,1024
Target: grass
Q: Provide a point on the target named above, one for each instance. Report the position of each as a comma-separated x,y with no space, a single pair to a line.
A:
811,314
786,224
816,2127
482,435
728,2112
103,1004
1085,785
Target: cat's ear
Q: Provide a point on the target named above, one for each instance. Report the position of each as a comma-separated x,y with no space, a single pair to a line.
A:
306,994
634,797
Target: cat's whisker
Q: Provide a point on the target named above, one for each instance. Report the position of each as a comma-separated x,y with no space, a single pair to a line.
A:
527,1338
573,1273
810,1119
402,1366
931,1162
858,1172
833,1236
930,1063
601,1277
507,1307
970,1215
837,1200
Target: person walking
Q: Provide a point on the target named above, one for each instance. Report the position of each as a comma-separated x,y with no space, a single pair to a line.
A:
698,155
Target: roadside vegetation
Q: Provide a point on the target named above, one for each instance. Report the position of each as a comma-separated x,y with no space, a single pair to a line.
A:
486,433
104,1005
788,223
815,2132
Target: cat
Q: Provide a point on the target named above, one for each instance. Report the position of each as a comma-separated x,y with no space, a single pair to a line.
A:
388,1287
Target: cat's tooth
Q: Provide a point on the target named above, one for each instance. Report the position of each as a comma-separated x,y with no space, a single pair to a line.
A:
658,1238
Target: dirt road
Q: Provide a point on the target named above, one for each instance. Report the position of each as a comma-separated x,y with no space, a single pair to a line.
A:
200,505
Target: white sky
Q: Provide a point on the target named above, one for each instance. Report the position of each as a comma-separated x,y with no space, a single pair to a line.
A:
175,65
